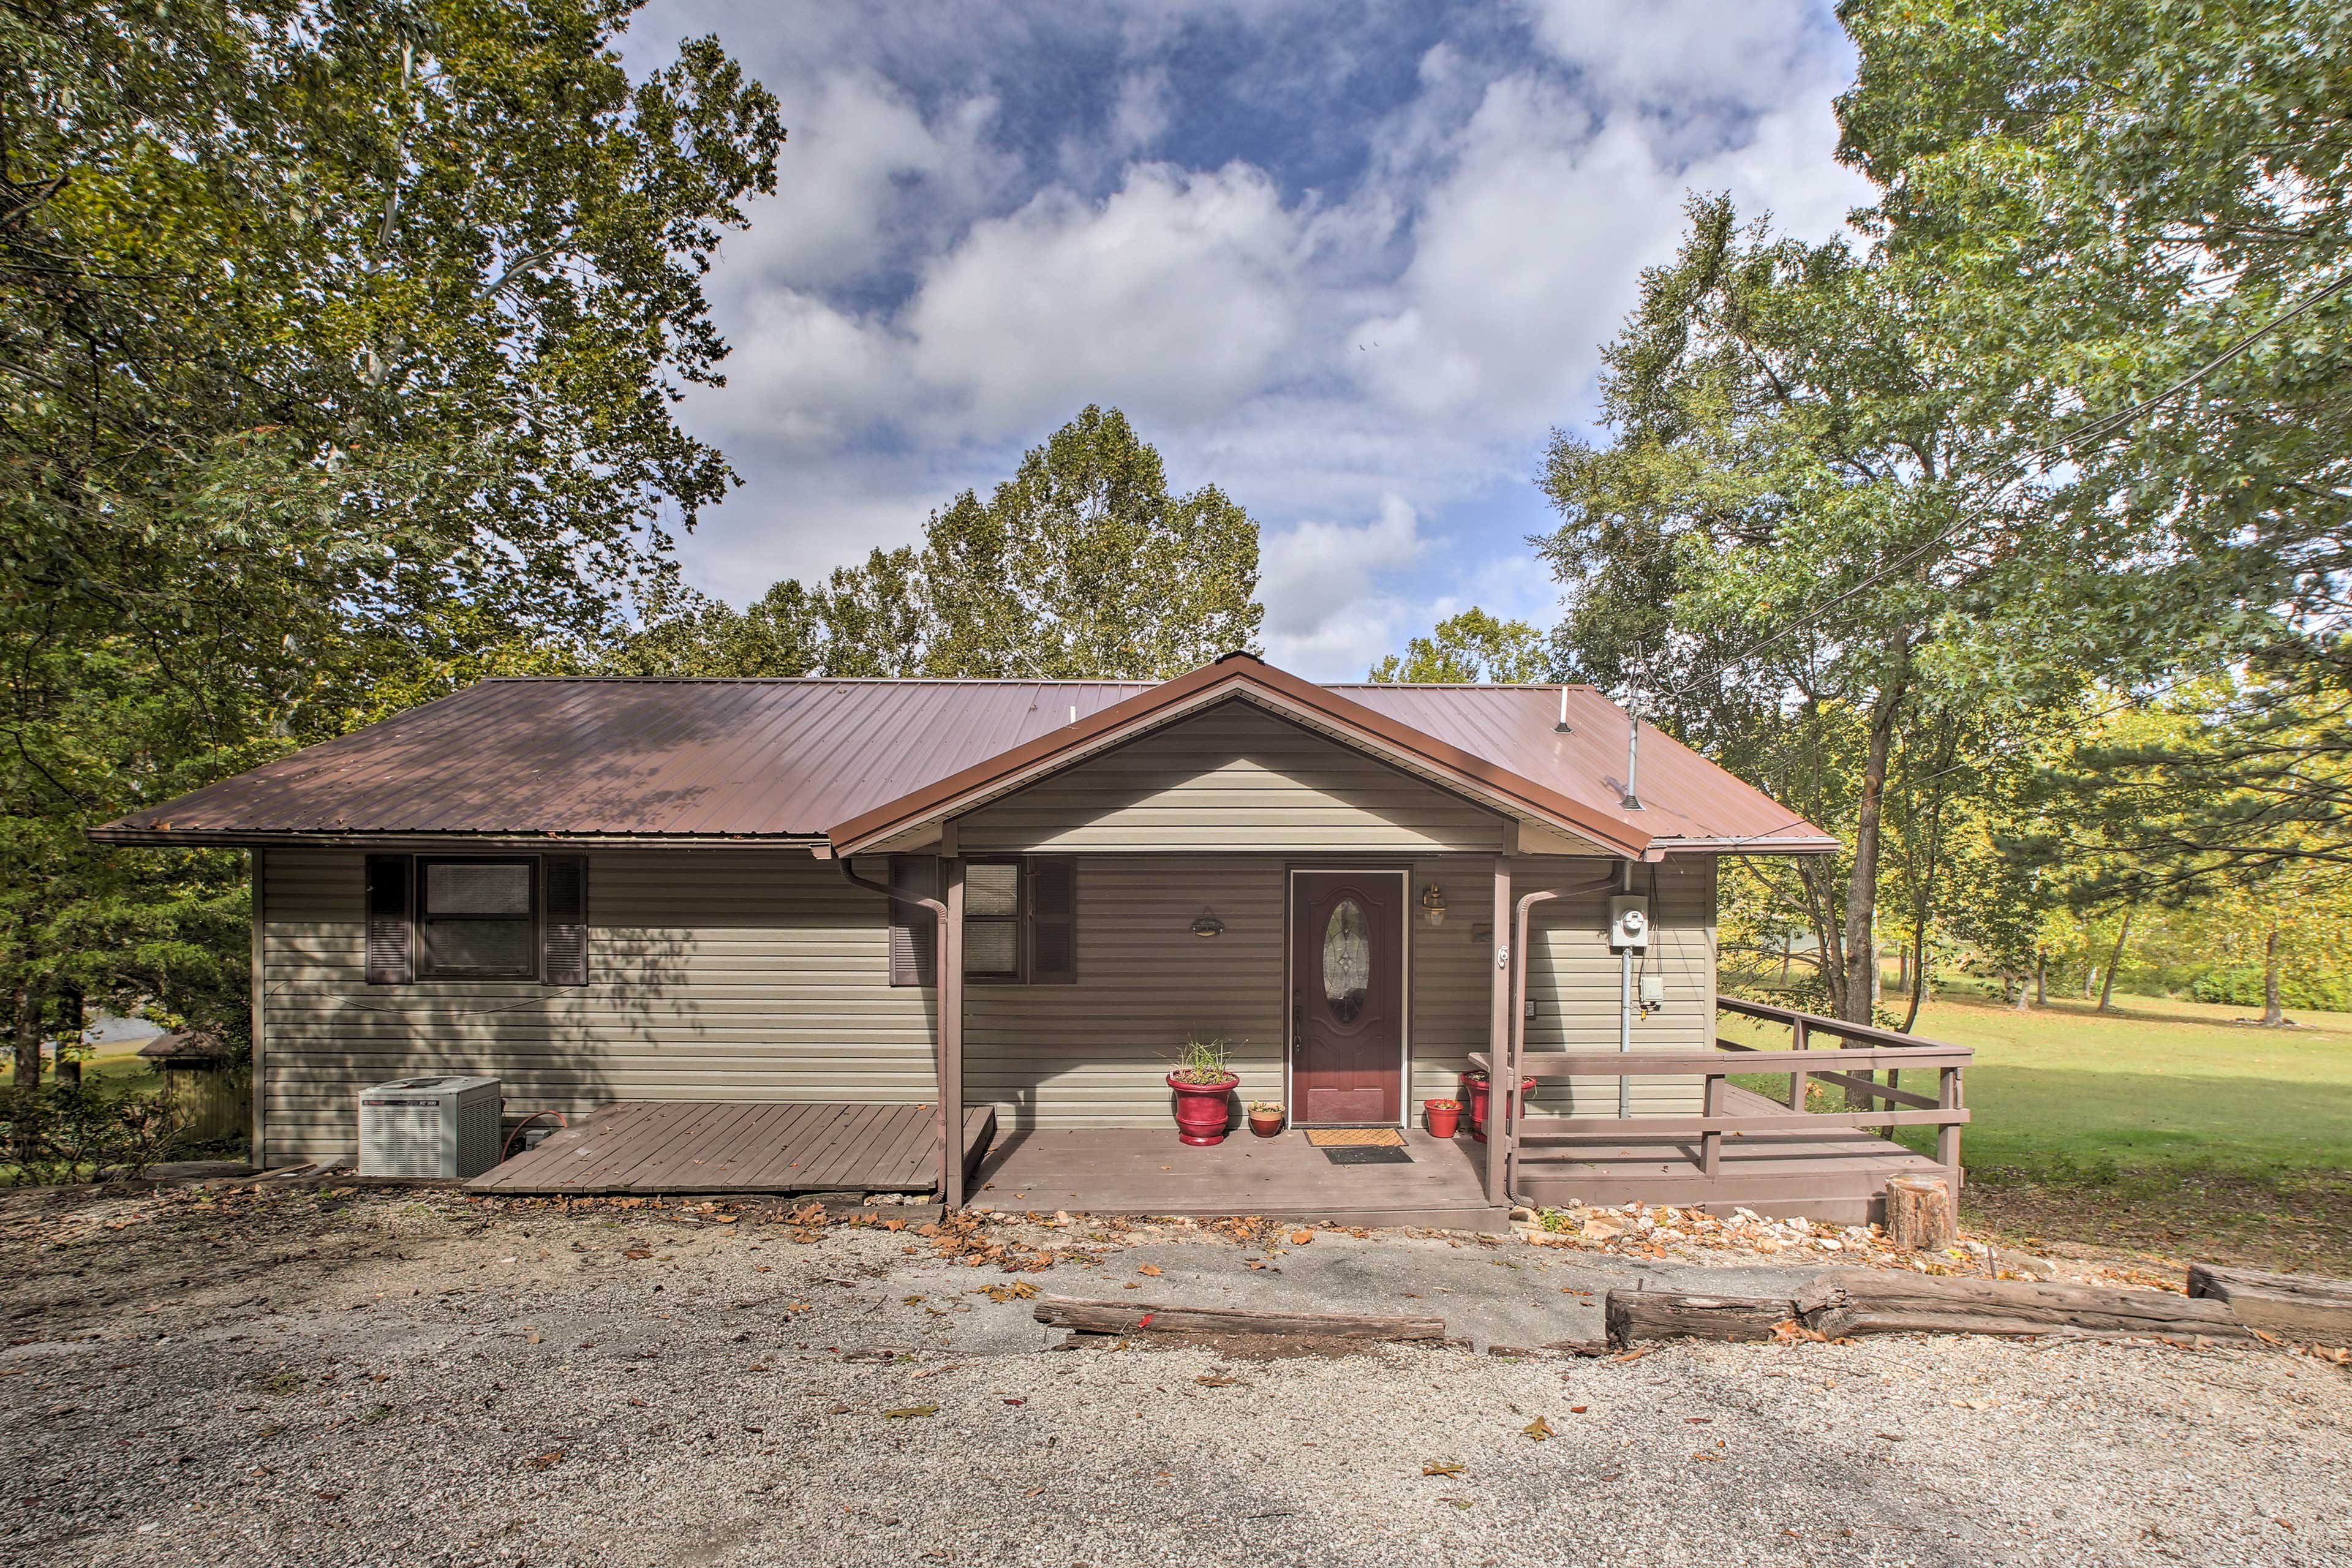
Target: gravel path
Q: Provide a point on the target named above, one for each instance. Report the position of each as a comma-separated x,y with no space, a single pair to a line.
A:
318,1381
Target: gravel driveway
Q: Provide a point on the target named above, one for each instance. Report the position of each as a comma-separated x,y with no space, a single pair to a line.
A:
298,1378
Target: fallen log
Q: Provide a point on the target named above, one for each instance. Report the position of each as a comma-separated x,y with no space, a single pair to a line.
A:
1869,1301
1128,1317
2293,1306
1633,1315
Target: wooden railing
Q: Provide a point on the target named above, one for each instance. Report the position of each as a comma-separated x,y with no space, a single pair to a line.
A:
1853,1067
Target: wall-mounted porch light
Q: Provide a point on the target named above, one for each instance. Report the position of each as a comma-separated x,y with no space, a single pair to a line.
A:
1208,924
1433,904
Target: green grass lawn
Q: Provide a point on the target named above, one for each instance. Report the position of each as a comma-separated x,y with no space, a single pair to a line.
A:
2062,1089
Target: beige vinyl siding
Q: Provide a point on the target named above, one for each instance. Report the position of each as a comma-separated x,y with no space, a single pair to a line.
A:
1574,979
713,974
1095,1053
1452,977
1233,778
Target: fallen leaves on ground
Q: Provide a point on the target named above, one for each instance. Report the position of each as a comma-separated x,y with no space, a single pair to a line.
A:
1018,1290
1150,1268
1537,1429
546,1461
908,1412
1443,1468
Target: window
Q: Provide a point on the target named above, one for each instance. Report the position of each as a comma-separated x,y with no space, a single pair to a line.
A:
478,920
490,917
1020,921
992,920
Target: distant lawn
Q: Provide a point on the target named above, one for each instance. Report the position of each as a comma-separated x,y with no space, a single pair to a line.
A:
116,1063
2164,1125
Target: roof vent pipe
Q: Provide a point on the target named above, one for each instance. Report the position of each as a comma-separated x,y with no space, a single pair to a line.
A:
1631,801
1562,728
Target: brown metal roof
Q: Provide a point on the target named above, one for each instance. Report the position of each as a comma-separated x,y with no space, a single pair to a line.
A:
704,761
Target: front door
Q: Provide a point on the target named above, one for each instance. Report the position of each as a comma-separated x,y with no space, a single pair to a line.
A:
1346,997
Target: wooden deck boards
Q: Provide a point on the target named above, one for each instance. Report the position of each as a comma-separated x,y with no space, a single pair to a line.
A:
1146,1171
737,1146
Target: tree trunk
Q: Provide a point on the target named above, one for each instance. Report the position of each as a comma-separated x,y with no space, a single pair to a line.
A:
71,1022
25,1027
24,1030
1785,944
1902,969
1861,957
2041,978
2114,960
2274,1017
2024,1002
1918,958
2089,979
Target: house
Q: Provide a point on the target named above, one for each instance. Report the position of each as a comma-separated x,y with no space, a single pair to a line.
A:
808,934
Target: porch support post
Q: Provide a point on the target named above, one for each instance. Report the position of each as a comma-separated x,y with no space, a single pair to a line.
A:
1502,1073
257,1064
950,989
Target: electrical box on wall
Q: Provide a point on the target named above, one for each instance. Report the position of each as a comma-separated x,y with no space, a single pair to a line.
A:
1629,924
1653,991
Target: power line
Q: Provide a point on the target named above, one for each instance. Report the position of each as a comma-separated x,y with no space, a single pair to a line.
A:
2095,429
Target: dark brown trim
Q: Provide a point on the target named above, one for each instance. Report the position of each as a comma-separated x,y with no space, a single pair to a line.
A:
1234,672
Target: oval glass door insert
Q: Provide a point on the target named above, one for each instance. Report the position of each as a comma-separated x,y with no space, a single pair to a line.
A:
1346,960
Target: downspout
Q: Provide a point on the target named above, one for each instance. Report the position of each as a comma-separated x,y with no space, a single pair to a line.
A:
1625,1004
950,1139
1515,1044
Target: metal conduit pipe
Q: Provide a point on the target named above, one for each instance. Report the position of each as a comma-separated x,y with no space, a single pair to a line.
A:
1515,1043
1626,1010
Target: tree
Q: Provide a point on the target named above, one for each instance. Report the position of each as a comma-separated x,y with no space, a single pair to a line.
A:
1470,648
2140,221
1781,554
2235,791
338,361
1084,564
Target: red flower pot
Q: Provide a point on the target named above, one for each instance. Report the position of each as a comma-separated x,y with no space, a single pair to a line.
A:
1203,1110
1265,1126
1444,1121
1480,1093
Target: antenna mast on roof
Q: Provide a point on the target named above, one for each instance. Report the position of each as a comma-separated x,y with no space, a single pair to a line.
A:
1632,801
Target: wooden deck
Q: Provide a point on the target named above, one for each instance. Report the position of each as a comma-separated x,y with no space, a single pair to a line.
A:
1835,1174
1146,1171
719,1146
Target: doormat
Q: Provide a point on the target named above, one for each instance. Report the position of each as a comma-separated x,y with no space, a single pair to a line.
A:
1355,1137
1367,1154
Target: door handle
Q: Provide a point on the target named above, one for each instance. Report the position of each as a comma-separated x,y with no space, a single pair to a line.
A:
1297,1022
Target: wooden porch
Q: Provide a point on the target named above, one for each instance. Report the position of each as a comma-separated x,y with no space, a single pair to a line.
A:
1108,1170
679,1146
1746,1150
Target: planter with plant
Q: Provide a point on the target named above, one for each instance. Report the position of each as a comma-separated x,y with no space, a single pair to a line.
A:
1444,1117
1204,1091
1480,1090
1265,1117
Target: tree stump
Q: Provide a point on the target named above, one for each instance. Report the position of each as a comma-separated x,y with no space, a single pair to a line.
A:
1919,1212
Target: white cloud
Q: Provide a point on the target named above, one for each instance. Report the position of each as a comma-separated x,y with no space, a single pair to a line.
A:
1685,56
1319,582
1176,298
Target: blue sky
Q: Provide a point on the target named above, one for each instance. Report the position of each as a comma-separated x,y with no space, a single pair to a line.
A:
1351,262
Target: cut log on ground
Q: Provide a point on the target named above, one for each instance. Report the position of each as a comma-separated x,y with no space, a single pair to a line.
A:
1869,1301
1128,1317
2293,1306
1635,1315
1919,1212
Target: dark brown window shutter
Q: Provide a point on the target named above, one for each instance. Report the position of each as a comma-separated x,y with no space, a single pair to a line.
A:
914,929
563,929
1053,882
390,933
